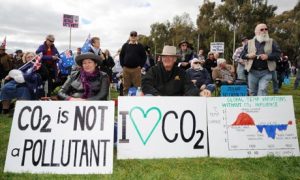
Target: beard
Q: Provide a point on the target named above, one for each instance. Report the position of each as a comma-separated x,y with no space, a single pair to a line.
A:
197,67
262,37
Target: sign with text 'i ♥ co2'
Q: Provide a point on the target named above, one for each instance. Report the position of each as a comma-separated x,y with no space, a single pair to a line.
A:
61,137
161,127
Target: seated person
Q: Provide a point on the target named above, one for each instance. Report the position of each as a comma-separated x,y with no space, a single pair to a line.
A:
25,83
86,83
167,79
224,73
200,76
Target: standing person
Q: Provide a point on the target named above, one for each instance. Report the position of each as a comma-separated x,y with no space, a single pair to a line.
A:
5,63
49,60
107,64
167,79
240,62
149,61
88,83
261,53
117,71
132,58
297,80
185,55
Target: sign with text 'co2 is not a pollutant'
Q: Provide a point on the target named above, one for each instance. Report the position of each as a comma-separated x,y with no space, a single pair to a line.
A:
252,126
161,127
61,137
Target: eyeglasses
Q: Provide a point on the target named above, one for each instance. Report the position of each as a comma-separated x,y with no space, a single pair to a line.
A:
264,29
196,62
50,40
184,45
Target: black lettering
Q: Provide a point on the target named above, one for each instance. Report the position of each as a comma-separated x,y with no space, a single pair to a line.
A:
124,117
37,143
104,151
44,128
103,108
65,115
58,116
52,155
23,128
84,152
96,154
68,153
39,108
182,125
44,153
79,117
197,146
163,127
88,126
26,149
75,154
15,152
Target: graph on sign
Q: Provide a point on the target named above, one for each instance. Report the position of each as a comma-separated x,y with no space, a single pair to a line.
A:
248,130
252,126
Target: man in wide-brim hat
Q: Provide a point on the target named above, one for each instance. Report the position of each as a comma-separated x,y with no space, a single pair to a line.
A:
167,79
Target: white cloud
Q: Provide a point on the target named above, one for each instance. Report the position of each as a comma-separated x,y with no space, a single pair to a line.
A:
26,23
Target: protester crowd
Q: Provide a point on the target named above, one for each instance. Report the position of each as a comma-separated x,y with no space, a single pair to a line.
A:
177,71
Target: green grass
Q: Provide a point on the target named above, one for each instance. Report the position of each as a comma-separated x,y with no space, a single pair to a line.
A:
186,168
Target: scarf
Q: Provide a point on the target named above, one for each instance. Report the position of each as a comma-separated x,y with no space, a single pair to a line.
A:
86,79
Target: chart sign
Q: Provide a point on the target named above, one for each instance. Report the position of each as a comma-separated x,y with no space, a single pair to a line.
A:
61,137
161,127
252,126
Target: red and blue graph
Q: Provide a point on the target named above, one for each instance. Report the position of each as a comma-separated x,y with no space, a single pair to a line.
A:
245,119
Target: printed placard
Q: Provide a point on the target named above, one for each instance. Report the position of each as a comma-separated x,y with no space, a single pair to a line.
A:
63,137
161,127
254,126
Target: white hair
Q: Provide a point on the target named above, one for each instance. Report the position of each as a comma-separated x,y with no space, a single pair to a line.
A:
221,60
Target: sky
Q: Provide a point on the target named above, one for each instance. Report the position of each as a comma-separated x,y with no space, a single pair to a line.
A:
26,23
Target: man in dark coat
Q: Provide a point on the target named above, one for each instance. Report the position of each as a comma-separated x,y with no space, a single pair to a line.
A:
167,79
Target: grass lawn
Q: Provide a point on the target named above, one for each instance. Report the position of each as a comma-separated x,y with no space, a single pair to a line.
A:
187,168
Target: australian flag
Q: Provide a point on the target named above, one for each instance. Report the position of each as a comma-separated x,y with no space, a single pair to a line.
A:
87,45
66,62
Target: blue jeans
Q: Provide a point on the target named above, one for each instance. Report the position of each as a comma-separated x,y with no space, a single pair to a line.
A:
275,81
258,82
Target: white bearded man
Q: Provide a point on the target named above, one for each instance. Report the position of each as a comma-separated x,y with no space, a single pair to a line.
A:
261,53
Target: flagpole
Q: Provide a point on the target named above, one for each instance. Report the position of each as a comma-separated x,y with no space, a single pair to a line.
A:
70,39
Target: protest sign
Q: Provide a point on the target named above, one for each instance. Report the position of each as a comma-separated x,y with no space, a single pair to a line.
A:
70,21
61,137
257,126
217,47
161,127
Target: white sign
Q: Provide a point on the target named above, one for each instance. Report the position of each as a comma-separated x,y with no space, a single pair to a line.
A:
161,127
64,137
70,21
217,47
257,126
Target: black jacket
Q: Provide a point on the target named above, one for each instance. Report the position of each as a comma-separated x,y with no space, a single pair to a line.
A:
159,82
73,87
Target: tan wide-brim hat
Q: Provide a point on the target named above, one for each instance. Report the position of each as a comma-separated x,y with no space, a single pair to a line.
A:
92,56
169,51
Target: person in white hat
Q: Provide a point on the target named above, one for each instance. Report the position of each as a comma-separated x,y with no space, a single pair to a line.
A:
166,79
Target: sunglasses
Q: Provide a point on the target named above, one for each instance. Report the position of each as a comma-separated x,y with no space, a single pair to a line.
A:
264,29
50,40
196,62
133,35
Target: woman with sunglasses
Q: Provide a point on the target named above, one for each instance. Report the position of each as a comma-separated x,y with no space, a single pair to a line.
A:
49,59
